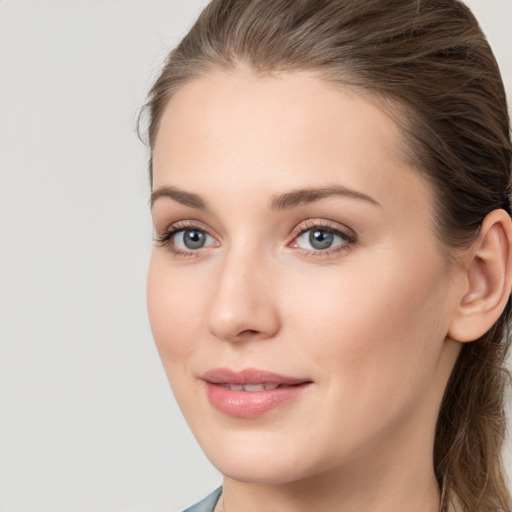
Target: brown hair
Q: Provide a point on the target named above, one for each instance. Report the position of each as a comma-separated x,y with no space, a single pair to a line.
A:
430,59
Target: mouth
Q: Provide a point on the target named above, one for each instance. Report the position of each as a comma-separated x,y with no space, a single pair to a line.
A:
250,393
254,387
250,377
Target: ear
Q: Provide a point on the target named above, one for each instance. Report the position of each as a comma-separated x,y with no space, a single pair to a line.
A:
488,279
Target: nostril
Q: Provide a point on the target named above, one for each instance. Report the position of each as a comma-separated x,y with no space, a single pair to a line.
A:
248,332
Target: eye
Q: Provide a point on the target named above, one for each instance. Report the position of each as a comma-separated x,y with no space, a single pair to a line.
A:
186,240
318,238
191,239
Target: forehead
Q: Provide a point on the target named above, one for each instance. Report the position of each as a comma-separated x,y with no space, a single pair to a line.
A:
291,102
252,108
278,133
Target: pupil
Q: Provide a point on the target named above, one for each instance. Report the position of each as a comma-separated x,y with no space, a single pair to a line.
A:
193,239
320,239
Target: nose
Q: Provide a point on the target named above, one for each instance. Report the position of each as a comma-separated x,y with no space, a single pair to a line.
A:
244,305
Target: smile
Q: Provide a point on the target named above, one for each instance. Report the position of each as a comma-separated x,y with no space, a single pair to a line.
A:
250,393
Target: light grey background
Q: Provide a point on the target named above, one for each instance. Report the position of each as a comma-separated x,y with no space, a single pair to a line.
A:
87,422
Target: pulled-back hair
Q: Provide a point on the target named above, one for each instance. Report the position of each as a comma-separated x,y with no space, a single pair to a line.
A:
430,61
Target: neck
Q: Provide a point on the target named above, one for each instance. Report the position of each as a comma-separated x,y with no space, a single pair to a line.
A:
397,478
337,492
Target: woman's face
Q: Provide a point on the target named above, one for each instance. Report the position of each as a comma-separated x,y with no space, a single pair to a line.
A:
297,295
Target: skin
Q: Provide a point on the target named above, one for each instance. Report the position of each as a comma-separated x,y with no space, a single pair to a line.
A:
367,321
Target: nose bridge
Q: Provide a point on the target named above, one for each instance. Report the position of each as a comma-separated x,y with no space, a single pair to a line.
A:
243,305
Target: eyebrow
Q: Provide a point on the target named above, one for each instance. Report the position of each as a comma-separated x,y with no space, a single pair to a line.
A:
180,196
308,195
284,201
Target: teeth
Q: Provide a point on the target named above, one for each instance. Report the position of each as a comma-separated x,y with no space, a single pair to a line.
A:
249,387
259,387
254,387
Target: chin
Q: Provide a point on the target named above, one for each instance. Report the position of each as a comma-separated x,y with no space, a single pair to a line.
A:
260,472
259,462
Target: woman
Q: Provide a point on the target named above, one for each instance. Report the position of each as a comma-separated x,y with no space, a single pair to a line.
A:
329,287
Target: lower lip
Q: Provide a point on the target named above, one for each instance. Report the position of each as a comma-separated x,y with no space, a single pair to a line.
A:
248,404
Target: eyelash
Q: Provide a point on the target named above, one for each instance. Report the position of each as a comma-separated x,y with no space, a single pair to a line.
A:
165,239
349,239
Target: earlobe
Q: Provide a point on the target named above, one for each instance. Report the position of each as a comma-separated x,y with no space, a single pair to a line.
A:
488,270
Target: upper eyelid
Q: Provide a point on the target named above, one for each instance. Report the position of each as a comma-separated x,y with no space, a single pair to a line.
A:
310,224
187,224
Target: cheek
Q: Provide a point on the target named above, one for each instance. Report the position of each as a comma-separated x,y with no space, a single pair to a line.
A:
174,307
375,329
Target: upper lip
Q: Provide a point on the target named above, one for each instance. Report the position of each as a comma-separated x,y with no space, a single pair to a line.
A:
249,376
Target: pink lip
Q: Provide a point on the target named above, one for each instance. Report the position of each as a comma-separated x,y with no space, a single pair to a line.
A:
248,404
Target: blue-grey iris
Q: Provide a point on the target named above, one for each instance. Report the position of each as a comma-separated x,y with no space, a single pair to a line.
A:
193,239
321,239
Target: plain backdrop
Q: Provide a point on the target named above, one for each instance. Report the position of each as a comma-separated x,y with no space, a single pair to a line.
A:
87,420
